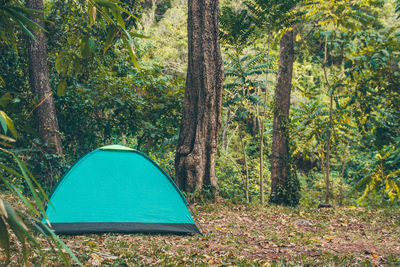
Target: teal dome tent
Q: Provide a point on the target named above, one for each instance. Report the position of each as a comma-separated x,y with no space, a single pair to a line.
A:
118,189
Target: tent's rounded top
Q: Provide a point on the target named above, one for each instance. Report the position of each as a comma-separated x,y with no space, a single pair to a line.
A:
116,147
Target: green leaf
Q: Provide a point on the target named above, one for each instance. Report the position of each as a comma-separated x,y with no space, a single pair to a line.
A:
87,47
62,87
20,230
92,45
18,227
3,122
117,15
6,99
67,63
4,238
60,63
112,31
36,182
129,44
105,3
18,16
60,242
134,34
92,12
385,53
31,187
124,10
7,124
22,197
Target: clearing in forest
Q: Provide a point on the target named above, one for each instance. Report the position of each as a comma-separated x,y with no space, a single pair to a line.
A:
236,234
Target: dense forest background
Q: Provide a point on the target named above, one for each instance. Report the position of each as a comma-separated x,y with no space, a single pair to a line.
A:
124,83
346,67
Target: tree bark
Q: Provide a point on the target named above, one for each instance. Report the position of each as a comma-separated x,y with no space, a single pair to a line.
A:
282,189
328,144
241,136
201,118
261,132
46,118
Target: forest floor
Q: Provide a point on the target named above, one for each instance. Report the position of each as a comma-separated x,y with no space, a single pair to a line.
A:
238,234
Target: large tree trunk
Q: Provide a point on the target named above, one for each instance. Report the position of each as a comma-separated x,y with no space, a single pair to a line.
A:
39,80
284,188
201,118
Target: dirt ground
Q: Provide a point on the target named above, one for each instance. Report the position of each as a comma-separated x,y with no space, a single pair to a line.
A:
236,234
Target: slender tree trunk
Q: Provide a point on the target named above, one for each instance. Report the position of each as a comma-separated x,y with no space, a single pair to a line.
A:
342,176
328,144
201,118
229,117
328,153
383,179
225,128
261,133
231,137
46,118
241,136
284,190
261,128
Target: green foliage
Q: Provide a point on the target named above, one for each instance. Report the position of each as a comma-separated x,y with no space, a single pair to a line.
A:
7,124
14,15
397,10
114,14
382,176
287,192
11,222
246,72
343,15
273,15
143,107
102,99
168,44
236,27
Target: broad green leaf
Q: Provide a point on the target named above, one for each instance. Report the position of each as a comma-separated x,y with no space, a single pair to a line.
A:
87,47
60,63
62,87
85,50
130,46
3,122
7,124
67,63
117,15
111,33
24,20
92,45
6,99
25,29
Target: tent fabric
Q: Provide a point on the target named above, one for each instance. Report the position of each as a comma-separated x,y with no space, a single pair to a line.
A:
118,189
